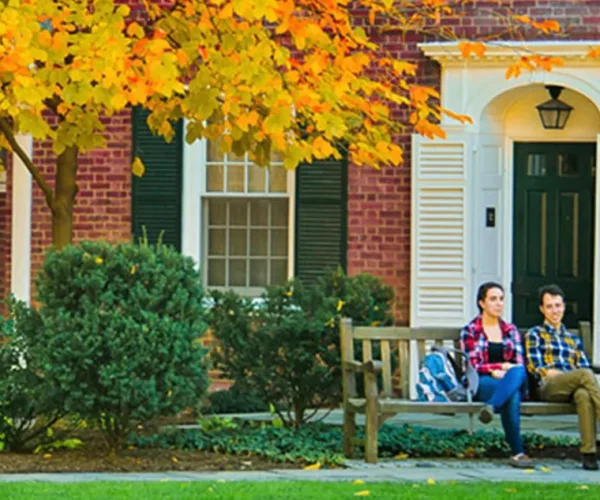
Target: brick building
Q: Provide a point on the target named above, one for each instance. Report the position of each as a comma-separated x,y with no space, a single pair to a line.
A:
503,198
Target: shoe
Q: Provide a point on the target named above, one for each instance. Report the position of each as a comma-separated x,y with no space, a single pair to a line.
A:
486,414
589,461
521,461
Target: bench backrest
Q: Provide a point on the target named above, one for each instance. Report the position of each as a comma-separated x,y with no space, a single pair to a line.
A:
392,339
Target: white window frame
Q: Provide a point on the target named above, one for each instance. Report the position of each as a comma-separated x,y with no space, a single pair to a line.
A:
194,214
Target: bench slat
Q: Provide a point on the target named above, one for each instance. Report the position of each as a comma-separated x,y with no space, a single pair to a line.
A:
404,333
404,360
387,368
407,406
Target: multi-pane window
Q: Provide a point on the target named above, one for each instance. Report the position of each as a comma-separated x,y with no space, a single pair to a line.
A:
246,230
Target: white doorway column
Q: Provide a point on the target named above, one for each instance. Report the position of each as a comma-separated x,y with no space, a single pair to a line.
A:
20,273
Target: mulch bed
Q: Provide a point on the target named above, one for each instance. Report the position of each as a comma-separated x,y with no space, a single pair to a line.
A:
94,457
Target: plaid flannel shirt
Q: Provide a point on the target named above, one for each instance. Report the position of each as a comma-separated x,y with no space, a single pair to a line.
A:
475,343
548,348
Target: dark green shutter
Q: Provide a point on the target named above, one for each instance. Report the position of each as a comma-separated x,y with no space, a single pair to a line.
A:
321,218
156,196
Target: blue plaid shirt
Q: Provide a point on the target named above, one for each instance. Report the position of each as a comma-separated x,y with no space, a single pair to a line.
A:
548,348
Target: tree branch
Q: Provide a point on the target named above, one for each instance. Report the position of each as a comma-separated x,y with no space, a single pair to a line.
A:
6,129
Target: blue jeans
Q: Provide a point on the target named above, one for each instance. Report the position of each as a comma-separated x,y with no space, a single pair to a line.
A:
504,396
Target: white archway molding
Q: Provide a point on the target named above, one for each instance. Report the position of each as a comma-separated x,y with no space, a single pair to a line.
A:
492,87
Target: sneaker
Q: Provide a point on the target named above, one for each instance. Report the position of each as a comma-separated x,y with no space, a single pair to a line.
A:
589,461
521,461
486,414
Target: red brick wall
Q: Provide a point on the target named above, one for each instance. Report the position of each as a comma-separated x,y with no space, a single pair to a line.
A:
5,231
379,208
103,204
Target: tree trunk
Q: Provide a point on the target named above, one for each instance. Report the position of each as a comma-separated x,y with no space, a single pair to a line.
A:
65,189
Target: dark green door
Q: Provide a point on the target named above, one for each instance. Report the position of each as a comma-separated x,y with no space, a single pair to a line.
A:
554,227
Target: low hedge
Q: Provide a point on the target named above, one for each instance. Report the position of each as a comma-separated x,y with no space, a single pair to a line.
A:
322,443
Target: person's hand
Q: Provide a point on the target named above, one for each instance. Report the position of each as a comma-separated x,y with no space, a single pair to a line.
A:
508,366
498,374
552,372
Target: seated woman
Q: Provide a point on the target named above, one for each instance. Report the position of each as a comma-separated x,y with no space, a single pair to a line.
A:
495,350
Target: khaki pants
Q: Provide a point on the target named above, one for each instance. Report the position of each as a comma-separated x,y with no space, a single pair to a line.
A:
581,387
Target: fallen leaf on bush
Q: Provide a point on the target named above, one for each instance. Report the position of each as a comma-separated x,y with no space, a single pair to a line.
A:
401,456
582,487
47,455
545,469
357,482
316,466
175,460
511,490
363,493
529,471
431,481
247,463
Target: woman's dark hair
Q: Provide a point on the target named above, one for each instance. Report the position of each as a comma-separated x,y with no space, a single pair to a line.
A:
484,289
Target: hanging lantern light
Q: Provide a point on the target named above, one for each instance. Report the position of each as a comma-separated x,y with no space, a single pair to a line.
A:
554,113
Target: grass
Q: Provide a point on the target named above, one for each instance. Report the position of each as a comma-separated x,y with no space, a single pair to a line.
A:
294,490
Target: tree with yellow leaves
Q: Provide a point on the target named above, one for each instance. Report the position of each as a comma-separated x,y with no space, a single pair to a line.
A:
297,77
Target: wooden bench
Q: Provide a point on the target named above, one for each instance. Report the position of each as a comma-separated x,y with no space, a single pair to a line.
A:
379,405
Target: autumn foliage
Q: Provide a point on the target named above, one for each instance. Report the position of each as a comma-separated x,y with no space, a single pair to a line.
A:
299,77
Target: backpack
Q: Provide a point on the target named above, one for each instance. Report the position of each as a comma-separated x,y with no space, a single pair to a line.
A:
438,382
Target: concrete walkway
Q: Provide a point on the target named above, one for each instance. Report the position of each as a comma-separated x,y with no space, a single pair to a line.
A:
388,471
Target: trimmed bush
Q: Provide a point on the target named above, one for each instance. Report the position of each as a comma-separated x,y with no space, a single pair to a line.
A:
120,329
27,402
278,349
285,347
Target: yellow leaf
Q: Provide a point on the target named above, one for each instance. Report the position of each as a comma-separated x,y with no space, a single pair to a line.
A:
358,482
582,487
135,30
529,471
316,466
545,469
431,481
137,167
363,493
47,455
98,260
175,460
511,490
340,304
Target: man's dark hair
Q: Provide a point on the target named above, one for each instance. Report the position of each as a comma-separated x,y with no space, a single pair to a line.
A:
553,290
484,289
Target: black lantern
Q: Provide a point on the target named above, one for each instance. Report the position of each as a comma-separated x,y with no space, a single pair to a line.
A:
554,113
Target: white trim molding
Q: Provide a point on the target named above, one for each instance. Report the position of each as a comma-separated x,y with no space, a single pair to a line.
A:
501,52
20,272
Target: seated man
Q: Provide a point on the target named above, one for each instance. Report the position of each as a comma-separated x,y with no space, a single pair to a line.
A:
562,370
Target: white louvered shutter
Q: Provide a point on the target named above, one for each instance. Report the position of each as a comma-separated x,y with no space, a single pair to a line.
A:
440,231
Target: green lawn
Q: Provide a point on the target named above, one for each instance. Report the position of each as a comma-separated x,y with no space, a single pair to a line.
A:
293,490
